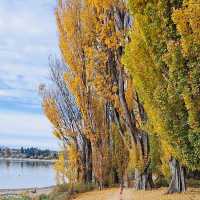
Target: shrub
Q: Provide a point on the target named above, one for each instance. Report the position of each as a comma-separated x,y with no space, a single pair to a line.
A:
79,188
162,182
43,197
193,183
62,188
65,191
59,196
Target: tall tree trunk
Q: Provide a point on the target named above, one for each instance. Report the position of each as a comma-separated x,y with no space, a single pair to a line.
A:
115,176
125,179
140,139
86,160
88,177
143,181
177,183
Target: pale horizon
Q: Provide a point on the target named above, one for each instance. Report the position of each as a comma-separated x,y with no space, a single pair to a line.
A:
26,42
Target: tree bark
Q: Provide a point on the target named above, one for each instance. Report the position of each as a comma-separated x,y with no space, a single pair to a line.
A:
87,161
125,180
140,139
130,119
177,183
143,181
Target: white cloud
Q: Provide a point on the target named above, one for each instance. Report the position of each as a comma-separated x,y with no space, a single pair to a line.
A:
27,38
27,129
21,82
27,16
23,76
4,93
24,123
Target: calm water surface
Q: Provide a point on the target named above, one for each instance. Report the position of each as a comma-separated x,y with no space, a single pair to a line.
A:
26,174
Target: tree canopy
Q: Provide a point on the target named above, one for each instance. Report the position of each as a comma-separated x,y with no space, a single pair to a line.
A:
126,99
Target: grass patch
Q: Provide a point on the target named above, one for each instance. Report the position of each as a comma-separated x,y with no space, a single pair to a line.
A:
16,198
193,183
77,188
60,192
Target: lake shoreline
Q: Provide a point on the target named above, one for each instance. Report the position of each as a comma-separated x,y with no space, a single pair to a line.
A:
27,159
32,191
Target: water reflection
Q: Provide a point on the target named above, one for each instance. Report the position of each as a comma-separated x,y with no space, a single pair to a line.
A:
25,174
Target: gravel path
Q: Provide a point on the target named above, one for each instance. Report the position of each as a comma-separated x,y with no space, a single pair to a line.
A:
130,194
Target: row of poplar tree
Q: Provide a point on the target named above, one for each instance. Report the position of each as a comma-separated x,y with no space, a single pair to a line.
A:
125,99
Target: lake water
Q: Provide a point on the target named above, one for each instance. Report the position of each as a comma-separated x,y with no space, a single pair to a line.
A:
26,174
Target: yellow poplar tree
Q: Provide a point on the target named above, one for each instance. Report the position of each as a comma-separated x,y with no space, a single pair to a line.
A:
92,107
106,25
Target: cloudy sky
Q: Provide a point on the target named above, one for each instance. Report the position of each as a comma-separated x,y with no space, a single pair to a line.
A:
27,37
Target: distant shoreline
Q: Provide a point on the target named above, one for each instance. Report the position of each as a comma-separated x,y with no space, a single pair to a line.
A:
27,159
27,189
33,191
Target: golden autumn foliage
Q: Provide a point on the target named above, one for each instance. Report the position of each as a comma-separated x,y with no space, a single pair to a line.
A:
164,63
67,165
132,81
92,37
51,112
86,77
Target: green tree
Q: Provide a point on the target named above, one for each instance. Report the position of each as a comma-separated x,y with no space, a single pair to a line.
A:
163,58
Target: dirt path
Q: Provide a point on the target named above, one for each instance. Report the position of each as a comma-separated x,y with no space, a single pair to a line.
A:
130,194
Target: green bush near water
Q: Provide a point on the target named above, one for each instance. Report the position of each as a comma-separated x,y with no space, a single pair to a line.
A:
77,188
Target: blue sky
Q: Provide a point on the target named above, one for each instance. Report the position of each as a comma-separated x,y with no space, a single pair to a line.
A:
27,37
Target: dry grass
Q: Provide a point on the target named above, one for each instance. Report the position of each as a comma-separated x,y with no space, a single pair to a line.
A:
130,194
